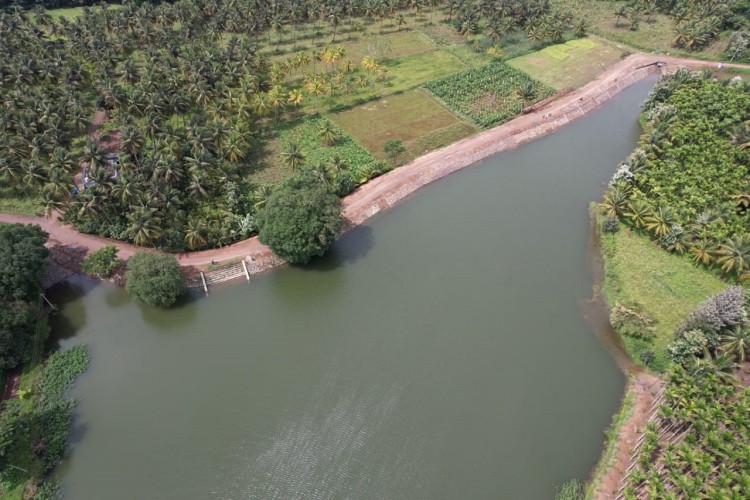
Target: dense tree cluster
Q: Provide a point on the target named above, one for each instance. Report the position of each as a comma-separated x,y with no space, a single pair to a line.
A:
22,265
698,443
502,17
154,279
186,95
696,22
302,218
687,184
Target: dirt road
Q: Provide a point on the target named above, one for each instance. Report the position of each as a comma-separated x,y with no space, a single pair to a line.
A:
387,190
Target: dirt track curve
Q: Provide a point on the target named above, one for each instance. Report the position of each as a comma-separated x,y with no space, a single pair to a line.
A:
385,191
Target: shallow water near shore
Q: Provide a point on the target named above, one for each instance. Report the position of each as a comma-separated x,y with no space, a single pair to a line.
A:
437,352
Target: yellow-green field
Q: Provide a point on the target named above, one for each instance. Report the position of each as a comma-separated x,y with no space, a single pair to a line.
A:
570,64
413,117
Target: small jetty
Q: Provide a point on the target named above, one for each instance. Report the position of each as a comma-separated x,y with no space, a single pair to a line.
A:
230,272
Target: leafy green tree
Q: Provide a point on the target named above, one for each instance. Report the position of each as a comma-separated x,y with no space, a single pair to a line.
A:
301,218
154,279
101,263
22,265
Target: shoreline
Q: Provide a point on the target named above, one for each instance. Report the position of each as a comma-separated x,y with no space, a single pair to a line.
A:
385,191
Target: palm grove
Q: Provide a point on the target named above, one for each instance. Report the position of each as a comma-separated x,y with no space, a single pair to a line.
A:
188,98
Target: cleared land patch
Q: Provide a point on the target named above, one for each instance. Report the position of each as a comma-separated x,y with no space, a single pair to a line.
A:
412,117
570,64
487,95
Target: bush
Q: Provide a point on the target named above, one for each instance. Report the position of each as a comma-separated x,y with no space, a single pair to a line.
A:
631,321
739,47
690,344
610,224
154,279
301,220
344,184
723,310
102,263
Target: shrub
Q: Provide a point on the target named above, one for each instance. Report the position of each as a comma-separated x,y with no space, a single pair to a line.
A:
610,224
739,47
102,263
725,309
302,218
344,184
689,345
631,321
154,279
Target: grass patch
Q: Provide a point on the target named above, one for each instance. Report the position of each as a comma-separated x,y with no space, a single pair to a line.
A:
665,286
14,202
570,64
74,12
412,117
410,72
487,95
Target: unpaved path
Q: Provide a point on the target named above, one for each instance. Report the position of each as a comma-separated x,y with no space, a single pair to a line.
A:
387,190
646,387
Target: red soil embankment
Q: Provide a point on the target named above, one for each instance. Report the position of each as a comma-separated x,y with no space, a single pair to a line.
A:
387,190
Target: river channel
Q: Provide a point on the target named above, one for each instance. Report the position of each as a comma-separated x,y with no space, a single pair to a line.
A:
437,352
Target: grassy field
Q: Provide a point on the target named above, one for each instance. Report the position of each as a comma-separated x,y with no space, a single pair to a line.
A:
12,202
412,117
656,35
569,65
409,72
665,286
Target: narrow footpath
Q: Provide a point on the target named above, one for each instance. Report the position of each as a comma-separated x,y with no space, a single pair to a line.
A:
385,191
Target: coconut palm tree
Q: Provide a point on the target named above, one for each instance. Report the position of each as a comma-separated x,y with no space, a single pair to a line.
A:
637,211
702,252
196,234
661,220
145,226
328,132
734,255
292,156
527,92
615,200
735,342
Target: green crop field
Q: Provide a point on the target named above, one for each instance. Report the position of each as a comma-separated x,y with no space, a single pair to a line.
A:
487,95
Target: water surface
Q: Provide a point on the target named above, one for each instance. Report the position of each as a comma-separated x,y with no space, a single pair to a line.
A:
438,352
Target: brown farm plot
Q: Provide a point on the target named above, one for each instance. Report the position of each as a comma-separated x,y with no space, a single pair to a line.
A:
412,117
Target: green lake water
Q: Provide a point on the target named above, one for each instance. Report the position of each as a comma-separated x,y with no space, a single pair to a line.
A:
437,352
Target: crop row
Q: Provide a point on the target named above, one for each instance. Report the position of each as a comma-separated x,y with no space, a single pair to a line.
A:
488,95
